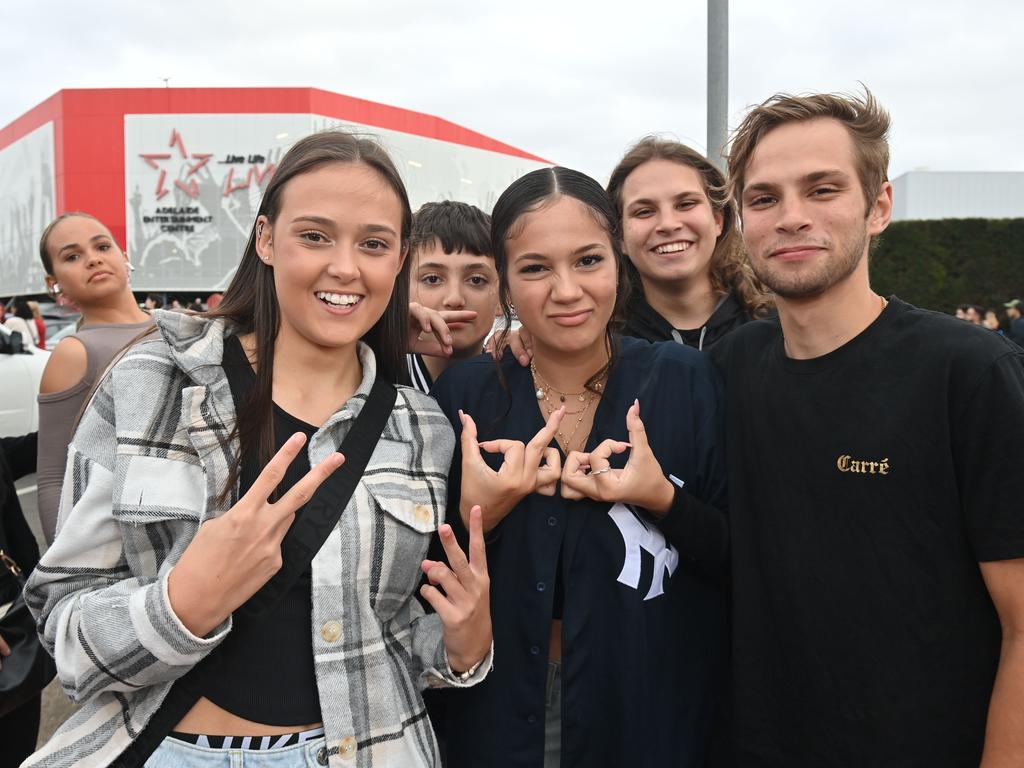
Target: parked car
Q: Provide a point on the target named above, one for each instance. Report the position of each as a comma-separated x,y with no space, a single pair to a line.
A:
68,330
57,318
21,368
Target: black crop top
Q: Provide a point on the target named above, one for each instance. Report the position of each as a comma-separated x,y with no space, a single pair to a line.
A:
265,669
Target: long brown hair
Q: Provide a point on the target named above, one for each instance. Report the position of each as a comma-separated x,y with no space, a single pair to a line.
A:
250,301
729,270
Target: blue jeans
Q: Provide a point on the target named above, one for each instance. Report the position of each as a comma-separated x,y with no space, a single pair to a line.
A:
553,716
179,754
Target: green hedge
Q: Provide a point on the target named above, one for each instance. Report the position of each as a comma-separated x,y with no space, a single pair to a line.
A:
939,264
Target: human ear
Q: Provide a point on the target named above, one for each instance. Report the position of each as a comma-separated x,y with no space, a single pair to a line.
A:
719,222
403,255
881,210
264,240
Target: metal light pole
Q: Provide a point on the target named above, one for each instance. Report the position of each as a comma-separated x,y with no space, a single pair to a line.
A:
718,80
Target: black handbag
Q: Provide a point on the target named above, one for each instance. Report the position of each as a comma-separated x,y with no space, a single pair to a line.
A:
29,668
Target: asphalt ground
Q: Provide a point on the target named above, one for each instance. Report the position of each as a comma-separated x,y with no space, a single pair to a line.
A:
56,706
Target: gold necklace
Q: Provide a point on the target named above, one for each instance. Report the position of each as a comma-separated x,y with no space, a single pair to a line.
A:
587,397
544,388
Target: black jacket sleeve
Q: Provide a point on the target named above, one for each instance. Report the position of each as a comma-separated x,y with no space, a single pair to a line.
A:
21,453
700,532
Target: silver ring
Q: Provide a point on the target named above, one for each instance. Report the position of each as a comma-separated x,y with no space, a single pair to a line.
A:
601,471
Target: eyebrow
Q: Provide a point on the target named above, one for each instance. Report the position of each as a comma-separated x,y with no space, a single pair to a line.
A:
92,239
810,178
314,220
384,228
440,266
578,251
531,257
678,196
324,222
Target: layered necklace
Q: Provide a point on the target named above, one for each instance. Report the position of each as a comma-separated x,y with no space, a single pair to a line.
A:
582,400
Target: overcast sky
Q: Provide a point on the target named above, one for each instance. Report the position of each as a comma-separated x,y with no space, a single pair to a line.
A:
573,81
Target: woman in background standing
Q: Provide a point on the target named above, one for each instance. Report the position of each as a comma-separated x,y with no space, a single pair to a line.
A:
37,318
21,321
85,266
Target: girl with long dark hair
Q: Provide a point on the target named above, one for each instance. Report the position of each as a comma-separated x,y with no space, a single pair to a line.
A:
600,473
175,598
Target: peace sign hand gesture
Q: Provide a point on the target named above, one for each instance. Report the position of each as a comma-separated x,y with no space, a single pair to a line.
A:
521,472
464,604
233,555
641,482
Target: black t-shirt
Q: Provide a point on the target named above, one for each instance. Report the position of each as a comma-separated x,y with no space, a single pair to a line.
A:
265,671
865,487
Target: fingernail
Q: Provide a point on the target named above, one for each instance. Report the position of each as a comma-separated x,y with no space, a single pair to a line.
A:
448,339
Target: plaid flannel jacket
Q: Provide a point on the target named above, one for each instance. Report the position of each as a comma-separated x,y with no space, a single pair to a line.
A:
145,468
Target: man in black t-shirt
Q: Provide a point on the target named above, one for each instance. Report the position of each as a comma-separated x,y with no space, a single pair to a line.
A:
876,519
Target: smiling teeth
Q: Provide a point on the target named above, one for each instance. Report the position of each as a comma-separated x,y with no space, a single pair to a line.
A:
672,247
337,299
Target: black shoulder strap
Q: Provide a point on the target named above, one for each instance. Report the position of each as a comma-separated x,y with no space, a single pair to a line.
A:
300,545
311,528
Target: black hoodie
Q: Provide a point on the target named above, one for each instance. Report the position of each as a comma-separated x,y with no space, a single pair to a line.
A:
643,322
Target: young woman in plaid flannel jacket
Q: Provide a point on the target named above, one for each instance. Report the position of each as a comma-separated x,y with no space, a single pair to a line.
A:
178,492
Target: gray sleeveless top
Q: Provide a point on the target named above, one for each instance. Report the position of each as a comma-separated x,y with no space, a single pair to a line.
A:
59,411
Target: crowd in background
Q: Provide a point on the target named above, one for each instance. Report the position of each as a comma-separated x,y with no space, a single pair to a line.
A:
1013,327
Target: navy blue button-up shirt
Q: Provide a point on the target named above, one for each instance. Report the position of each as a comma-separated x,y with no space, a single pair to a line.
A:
644,633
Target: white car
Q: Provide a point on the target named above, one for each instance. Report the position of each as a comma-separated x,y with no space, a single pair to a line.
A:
19,386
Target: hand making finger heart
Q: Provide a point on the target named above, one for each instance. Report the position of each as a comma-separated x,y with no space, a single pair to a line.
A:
641,482
525,469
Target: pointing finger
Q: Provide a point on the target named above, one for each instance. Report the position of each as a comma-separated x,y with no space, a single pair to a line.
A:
499,446
300,493
273,473
467,441
601,455
456,557
535,448
458,315
477,548
635,427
